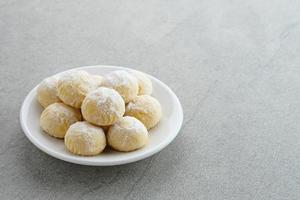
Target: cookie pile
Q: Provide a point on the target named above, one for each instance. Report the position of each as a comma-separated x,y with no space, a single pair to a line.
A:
90,111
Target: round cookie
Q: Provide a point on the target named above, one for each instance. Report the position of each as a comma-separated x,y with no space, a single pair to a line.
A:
47,91
145,84
103,107
85,139
56,119
127,134
146,109
124,83
73,87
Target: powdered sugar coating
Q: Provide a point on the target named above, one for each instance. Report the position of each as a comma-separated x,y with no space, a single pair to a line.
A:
124,83
97,80
83,138
146,109
127,134
56,119
103,106
73,87
47,91
145,84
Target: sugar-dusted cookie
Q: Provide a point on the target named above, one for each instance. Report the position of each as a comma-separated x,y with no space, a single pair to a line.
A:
47,91
73,87
85,139
127,134
56,119
146,109
103,107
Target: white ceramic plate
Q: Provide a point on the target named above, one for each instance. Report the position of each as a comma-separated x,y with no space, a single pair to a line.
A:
160,136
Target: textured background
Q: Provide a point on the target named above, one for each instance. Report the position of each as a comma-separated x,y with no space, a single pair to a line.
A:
233,64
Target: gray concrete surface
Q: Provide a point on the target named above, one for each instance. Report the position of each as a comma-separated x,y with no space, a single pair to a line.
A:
235,66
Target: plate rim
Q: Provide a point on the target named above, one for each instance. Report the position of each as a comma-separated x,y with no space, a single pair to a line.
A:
80,161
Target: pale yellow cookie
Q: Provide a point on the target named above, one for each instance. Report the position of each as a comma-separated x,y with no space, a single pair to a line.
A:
103,107
47,91
144,82
85,139
146,109
56,119
124,83
127,134
73,87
